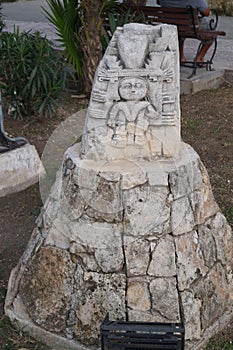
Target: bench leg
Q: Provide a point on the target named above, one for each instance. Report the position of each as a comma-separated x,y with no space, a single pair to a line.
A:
214,52
194,64
200,48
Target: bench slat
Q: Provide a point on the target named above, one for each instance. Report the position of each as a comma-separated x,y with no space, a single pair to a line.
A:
186,20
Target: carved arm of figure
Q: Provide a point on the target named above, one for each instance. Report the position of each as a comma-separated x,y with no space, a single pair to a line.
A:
117,121
151,113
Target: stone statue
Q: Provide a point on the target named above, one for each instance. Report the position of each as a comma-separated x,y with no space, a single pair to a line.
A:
131,117
131,227
135,99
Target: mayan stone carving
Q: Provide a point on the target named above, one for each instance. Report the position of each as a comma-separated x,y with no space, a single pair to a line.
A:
131,227
134,107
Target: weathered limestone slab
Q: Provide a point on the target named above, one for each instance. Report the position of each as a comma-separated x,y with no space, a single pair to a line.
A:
19,169
134,109
165,300
130,226
139,219
163,259
102,293
138,296
190,260
47,298
137,254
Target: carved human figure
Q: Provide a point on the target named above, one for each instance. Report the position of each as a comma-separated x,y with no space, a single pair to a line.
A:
130,117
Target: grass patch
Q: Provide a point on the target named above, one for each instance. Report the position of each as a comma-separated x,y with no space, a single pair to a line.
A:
221,344
13,338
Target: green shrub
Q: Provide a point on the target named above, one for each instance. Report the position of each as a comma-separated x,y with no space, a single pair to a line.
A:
32,74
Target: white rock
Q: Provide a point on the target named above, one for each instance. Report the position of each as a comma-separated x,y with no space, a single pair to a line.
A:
137,255
190,261
138,296
165,299
182,216
140,218
19,169
163,262
192,315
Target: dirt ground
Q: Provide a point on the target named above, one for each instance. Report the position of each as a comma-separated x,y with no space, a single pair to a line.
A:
207,124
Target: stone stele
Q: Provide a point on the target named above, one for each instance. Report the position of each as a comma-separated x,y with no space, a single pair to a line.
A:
131,226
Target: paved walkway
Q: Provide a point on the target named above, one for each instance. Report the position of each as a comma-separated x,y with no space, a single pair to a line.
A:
28,15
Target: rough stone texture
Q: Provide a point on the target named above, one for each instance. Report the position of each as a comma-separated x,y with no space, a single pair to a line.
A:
45,288
138,296
134,109
131,226
190,261
192,316
19,169
182,216
100,294
137,255
165,300
139,218
163,259
214,294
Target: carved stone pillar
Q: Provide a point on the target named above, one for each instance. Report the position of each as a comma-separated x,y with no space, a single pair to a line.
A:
131,226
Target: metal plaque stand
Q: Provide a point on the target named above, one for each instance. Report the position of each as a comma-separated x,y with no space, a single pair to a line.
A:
124,335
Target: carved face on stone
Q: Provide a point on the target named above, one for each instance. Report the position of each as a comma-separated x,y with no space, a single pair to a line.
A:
133,89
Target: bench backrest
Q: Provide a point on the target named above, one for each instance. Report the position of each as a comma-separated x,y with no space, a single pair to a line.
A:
186,19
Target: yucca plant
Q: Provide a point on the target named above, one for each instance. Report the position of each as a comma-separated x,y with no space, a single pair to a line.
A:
79,25
32,73
65,16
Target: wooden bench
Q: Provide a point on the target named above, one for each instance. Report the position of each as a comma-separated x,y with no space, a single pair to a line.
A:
187,22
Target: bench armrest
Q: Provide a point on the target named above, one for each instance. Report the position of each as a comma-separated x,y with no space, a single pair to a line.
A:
214,20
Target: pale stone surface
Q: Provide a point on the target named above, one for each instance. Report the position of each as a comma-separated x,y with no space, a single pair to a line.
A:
132,180
138,297
207,245
192,315
202,200
215,294
134,109
137,255
19,169
139,218
130,226
181,182
47,295
190,261
223,239
182,216
143,316
102,293
163,259
101,241
165,299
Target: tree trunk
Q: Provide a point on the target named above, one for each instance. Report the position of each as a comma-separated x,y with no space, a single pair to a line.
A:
91,40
